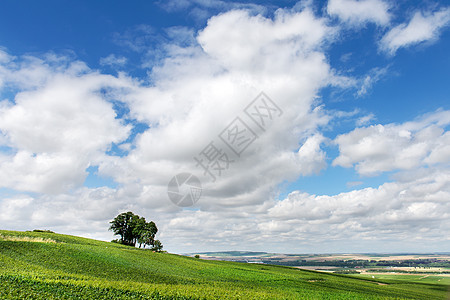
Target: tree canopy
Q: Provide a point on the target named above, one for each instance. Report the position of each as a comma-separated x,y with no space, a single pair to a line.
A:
134,229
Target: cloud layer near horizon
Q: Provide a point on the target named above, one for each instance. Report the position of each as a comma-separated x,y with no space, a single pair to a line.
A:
61,117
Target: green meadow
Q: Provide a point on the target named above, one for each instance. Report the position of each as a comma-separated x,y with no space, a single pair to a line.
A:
434,279
39,265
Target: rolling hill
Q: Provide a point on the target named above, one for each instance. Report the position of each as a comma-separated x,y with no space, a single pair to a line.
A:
42,265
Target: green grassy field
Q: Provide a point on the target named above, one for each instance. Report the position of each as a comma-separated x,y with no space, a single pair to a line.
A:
36,265
434,278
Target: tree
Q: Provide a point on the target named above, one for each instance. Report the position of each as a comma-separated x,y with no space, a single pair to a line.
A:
157,246
134,229
139,230
147,234
123,225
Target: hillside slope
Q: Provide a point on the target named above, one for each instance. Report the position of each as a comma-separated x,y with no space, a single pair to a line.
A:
35,265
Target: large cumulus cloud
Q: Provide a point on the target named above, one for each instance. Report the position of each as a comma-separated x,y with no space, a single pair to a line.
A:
58,118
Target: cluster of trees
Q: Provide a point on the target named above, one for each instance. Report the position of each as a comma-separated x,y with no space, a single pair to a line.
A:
135,230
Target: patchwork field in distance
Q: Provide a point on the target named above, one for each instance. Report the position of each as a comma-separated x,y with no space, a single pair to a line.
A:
431,268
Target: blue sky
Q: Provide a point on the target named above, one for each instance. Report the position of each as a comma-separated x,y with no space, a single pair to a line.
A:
103,102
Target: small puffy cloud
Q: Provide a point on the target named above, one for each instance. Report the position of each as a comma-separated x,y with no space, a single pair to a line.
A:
421,28
225,38
352,184
311,156
370,79
381,148
112,60
359,12
138,38
365,119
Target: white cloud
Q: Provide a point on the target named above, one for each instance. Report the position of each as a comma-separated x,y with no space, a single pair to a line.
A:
365,119
112,60
380,148
202,9
200,89
358,12
391,205
351,184
441,150
58,125
386,218
235,48
421,28
62,110
311,156
370,79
